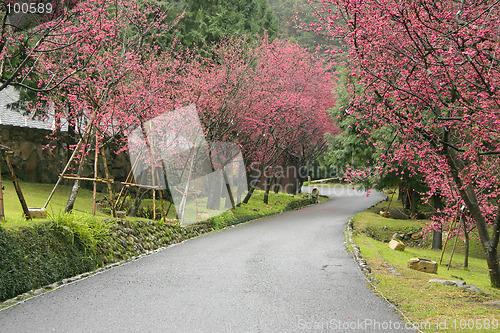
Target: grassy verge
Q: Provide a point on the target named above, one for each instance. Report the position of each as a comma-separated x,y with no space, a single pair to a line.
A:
426,304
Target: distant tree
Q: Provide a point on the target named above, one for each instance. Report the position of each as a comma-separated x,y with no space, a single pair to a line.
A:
212,20
295,17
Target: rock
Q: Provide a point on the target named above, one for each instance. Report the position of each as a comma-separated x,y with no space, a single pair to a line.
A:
385,213
39,291
457,283
5,135
472,289
396,244
423,265
26,148
37,213
9,302
121,214
493,304
417,235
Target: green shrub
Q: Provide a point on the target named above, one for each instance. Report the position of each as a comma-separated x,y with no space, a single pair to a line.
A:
85,231
32,257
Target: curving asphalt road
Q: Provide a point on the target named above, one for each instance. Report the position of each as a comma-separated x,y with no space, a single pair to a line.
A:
288,273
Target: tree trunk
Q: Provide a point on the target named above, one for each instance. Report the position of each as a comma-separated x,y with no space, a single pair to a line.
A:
413,203
252,184
249,195
466,253
268,188
437,234
468,194
76,186
137,202
401,193
277,185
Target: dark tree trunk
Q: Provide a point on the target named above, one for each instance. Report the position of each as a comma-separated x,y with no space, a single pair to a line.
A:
249,195
468,194
277,185
268,188
137,202
437,234
413,203
466,236
254,179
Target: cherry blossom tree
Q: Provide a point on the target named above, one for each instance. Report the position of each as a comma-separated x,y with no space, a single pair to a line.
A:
430,71
271,98
116,41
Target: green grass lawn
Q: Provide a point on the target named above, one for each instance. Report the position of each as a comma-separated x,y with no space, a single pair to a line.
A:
410,290
422,301
35,195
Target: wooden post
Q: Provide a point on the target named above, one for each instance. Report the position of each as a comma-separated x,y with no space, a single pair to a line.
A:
466,235
154,204
182,206
110,188
161,196
455,244
2,213
68,164
124,189
390,201
96,159
18,189
228,188
448,237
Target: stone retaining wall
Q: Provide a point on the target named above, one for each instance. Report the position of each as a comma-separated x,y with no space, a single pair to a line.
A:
38,158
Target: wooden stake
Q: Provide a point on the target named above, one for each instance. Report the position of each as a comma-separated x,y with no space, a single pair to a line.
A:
228,188
141,186
18,190
182,206
110,188
2,213
98,179
455,244
124,189
154,204
390,201
448,236
68,164
96,159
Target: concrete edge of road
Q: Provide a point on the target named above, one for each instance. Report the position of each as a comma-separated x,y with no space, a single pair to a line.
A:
354,249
